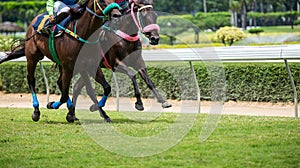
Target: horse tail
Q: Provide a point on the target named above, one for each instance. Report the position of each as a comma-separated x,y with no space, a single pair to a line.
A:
16,52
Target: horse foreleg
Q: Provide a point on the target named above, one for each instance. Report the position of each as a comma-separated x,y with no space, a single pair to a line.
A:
56,105
124,69
144,74
63,83
31,65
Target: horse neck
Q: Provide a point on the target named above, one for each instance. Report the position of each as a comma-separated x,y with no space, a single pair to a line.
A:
87,25
128,26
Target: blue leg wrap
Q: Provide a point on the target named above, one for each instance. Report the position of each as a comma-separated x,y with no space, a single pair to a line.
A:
56,105
102,101
35,101
69,103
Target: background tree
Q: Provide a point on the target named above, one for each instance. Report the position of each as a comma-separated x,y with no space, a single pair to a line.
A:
175,6
21,11
212,20
204,6
229,35
172,26
235,7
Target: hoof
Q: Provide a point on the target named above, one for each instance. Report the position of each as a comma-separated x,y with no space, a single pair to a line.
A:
76,119
49,105
36,116
94,108
139,107
70,118
104,115
71,115
107,120
166,105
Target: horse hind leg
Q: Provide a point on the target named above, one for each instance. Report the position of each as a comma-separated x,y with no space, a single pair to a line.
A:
35,103
31,66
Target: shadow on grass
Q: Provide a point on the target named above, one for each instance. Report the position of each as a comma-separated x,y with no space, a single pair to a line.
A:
61,122
124,121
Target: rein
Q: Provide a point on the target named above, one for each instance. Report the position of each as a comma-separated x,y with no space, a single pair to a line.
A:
122,34
73,34
96,4
95,14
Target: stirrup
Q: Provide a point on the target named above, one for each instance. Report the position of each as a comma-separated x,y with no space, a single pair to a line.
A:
59,33
47,28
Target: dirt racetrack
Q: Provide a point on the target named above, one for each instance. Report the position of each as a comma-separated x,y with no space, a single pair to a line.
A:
23,100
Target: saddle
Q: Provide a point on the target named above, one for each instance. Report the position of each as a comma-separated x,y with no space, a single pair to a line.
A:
43,20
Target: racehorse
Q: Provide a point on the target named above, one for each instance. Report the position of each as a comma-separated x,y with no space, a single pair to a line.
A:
122,47
67,49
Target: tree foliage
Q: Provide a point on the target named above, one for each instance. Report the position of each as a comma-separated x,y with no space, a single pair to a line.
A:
213,20
256,31
239,13
229,35
23,11
173,25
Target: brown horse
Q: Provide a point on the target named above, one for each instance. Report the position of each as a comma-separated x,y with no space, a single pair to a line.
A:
67,49
122,48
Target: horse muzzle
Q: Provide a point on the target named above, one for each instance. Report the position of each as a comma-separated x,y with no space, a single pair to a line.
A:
154,40
152,30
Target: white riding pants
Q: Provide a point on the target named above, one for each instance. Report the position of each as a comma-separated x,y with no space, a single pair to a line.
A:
60,7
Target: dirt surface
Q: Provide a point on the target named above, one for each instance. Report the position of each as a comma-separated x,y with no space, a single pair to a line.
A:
23,100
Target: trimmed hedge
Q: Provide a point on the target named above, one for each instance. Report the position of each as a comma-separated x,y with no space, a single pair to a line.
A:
263,82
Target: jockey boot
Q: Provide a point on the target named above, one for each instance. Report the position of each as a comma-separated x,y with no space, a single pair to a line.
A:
61,17
56,20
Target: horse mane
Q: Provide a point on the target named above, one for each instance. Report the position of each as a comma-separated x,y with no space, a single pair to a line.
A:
126,10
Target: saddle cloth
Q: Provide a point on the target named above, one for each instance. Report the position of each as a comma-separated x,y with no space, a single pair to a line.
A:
43,20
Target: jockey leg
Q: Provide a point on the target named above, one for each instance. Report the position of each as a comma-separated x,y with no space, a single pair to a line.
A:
54,21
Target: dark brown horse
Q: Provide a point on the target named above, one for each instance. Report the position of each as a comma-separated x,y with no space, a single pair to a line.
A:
122,48
67,49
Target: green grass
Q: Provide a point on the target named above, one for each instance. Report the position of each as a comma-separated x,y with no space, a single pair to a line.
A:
281,29
238,141
208,39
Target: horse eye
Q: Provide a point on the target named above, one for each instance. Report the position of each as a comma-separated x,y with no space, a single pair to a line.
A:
148,34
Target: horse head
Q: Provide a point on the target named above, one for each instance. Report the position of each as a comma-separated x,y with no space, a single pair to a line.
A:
145,19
